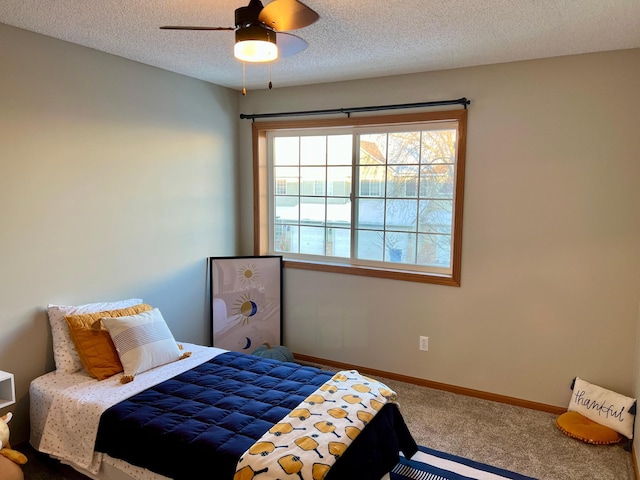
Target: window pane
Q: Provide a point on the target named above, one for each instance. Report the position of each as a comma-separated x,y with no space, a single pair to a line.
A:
439,146
285,150
287,210
286,180
402,181
436,216
285,238
434,250
339,212
373,149
401,215
312,240
371,213
436,181
339,242
340,148
312,210
404,148
400,247
371,181
369,245
339,181
313,150
313,180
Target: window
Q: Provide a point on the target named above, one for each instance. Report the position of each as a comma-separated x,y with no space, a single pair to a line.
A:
281,186
377,196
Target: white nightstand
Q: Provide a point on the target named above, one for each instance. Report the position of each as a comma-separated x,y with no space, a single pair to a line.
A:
7,389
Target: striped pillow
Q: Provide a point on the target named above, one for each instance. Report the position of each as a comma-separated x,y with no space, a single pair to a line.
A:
93,342
143,342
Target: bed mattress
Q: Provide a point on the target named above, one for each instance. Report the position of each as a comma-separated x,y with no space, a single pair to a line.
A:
211,408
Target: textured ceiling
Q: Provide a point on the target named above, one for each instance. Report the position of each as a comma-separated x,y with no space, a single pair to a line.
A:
353,39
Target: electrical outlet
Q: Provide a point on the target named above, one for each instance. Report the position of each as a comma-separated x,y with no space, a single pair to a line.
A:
424,343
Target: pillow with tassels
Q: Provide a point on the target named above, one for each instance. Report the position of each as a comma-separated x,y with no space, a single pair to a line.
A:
603,406
143,341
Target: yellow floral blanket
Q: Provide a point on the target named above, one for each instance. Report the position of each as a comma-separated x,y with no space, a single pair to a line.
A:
307,442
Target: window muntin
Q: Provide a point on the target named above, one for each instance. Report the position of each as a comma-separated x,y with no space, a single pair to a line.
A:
365,199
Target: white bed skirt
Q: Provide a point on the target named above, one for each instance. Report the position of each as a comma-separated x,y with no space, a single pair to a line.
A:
114,469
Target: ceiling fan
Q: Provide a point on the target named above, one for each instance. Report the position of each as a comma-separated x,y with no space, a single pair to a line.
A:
260,31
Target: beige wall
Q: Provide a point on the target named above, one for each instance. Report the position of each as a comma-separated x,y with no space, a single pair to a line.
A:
551,247
117,181
636,392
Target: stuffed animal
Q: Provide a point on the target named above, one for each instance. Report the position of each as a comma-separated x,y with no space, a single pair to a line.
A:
5,447
278,352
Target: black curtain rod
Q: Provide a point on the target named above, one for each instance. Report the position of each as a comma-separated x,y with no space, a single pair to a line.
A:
349,111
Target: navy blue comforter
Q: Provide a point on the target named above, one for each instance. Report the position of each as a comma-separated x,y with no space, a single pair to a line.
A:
199,423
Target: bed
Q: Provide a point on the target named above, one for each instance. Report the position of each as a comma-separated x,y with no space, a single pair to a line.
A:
220,414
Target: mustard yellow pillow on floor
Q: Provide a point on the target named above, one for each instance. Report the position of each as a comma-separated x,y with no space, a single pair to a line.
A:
93,342
580,427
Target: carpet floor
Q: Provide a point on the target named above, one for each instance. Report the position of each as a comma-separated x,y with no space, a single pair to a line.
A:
508,437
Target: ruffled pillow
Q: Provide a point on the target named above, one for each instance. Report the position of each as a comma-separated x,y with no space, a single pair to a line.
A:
64,351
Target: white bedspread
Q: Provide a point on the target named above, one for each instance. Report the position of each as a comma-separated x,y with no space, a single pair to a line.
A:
72,422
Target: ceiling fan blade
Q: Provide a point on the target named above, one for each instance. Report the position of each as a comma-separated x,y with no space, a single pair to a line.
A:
289,44
177,27
282,15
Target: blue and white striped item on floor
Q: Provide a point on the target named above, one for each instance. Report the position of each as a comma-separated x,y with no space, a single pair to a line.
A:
428,464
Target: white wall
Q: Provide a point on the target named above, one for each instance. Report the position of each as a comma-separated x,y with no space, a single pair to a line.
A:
551,247
117,180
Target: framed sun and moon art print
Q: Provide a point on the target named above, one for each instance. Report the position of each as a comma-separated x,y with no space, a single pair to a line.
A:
246,302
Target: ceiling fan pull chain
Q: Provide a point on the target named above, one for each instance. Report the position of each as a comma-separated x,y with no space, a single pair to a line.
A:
244,80
270,84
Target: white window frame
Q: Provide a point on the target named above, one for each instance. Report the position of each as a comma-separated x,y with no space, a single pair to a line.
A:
264,194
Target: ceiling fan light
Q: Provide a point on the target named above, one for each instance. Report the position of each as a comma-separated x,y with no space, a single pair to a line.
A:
255,43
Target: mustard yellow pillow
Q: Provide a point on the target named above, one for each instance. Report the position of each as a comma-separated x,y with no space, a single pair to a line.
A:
578,426
93,342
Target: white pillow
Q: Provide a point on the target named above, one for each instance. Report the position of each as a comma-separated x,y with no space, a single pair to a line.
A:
143,341
603,406
64,351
